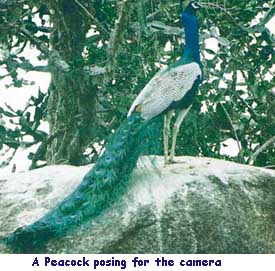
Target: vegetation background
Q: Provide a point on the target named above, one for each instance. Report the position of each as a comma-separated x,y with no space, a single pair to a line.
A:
101,53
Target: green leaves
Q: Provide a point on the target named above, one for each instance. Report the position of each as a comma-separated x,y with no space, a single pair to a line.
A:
237,95
238,78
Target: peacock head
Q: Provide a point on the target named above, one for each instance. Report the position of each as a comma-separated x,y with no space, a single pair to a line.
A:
188,15
190,6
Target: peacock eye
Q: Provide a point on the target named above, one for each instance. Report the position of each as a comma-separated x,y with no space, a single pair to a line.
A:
108,158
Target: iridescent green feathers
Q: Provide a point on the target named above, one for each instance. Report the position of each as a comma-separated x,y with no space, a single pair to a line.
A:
100,187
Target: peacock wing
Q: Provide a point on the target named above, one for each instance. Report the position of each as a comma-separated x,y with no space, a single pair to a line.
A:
170,86
146,91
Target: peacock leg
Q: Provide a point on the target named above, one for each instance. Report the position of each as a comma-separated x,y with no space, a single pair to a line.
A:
166,132
176,128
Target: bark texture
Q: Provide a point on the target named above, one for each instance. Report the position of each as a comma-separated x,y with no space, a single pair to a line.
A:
72,100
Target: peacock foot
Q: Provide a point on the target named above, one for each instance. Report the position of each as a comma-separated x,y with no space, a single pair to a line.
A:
169,162
172,160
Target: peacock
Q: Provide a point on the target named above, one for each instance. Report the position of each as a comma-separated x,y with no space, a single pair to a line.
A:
174,87
171,88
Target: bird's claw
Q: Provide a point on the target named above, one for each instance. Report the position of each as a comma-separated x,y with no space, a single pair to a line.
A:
172,160
169,161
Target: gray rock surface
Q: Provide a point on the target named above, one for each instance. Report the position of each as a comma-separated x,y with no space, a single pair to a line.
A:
201,205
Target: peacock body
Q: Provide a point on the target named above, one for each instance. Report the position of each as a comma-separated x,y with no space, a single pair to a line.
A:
173,87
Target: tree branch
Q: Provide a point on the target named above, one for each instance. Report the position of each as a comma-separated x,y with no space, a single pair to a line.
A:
262,148
40,45
101,28
94,70
166,29
117,35
39,69
57,63
20,29
233,129
7,3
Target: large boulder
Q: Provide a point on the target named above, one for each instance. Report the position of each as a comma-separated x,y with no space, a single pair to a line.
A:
200,205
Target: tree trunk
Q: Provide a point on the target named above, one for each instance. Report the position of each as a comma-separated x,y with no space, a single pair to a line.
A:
72,101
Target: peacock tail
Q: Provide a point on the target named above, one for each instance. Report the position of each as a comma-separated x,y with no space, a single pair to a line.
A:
100,187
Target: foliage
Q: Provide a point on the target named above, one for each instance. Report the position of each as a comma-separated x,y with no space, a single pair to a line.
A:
131,40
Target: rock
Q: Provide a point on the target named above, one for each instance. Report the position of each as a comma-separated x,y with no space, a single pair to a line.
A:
201,205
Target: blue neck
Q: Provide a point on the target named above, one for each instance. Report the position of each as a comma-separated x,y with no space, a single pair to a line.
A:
191,51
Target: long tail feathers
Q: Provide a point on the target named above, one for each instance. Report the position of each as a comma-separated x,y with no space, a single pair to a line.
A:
100,187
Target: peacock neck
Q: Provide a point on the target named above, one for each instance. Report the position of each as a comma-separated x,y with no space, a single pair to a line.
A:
191,51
